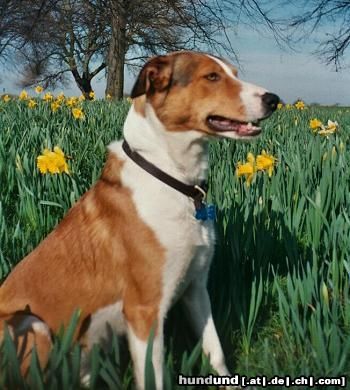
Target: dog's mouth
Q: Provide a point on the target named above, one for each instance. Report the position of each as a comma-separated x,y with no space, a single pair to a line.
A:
221,124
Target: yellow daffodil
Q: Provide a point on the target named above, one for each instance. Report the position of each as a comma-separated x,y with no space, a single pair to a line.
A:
39,89
92,95
72,101
251,158
315,124
47,97
289,106
6,98
279,106
77,113
52,161
300,105
330,129
332,125
32,103
55,105
129,100
247,169
265,162
60,97
23,95
81,98
108,96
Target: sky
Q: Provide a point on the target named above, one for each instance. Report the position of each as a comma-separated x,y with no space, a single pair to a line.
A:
290,74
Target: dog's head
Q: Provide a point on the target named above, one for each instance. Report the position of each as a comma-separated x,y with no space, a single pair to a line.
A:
196,91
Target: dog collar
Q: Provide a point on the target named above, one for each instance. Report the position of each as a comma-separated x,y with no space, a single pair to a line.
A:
196,192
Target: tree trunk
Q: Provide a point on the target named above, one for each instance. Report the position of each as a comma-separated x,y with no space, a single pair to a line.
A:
116,52
84,85
86,89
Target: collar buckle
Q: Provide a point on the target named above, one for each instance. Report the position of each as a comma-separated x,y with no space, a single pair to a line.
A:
202,191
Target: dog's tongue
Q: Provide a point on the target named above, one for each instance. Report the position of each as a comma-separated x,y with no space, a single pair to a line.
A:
223,124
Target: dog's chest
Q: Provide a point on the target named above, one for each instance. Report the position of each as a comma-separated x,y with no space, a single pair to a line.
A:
187,241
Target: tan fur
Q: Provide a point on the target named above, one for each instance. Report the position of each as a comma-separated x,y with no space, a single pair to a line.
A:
93,258
192,97
139,104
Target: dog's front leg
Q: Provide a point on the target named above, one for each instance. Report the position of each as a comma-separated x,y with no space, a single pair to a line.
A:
198,308
140,321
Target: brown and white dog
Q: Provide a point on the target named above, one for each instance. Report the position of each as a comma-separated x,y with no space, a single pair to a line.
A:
131,245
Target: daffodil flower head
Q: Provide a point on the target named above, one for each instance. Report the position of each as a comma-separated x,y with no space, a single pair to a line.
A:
47,97
32,103
60,97
330,129
55,105
265,162
72,101
332,125
315,124
23,95
52,161
300,105
78,113
250,158
248,169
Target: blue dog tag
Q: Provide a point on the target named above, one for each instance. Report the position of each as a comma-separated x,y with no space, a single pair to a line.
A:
206,212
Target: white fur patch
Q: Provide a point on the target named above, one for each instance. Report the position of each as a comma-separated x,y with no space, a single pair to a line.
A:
109,316
251,96
40,327
32,322
224,66
169,213
188,242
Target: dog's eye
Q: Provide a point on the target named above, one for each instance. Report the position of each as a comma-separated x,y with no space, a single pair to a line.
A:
213,76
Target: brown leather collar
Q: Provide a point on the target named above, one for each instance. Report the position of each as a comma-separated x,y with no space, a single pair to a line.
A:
197,192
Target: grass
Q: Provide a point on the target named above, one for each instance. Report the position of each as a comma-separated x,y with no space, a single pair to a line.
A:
279,282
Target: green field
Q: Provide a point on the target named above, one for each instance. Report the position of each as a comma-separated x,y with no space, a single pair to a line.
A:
280,278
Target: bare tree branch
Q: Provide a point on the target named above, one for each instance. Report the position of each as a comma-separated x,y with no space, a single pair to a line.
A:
84,37
330,18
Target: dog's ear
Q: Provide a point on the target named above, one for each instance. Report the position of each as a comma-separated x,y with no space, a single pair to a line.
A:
155,76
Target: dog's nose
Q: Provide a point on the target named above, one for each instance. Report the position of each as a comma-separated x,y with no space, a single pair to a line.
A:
270,101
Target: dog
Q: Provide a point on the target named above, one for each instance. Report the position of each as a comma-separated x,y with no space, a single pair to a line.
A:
142,237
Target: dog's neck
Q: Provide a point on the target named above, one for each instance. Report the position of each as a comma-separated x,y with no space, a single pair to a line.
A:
182,154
